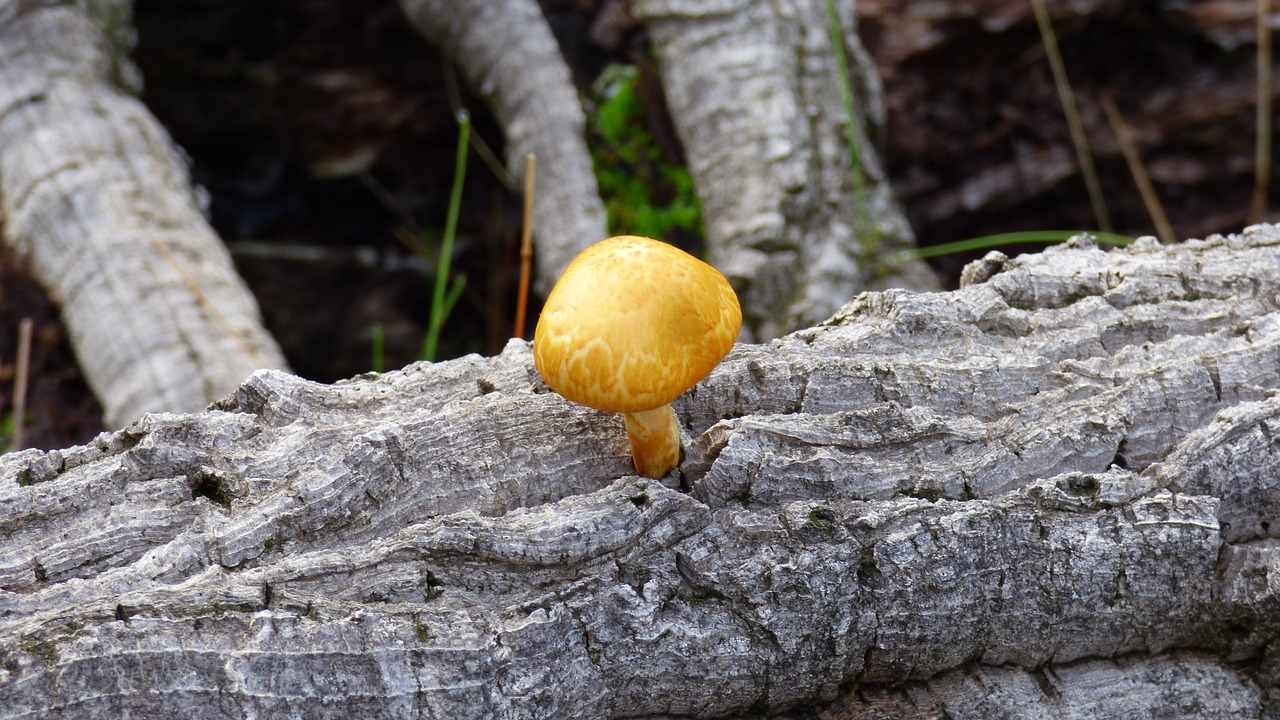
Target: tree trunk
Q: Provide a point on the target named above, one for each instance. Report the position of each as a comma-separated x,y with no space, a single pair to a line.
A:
754,91
1051,493
97,197
506,50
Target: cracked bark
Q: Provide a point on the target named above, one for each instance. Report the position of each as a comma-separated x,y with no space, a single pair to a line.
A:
97,197
1048,494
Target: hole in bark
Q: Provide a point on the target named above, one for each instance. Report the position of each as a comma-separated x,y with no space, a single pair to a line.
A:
1239,629
266,595
868,574
208,484
38,569
432,585
1121,460
485,386
822,518
121,614
640,500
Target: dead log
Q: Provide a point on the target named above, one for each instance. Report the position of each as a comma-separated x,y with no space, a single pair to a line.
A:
1051,493
95,194
507,53
754,91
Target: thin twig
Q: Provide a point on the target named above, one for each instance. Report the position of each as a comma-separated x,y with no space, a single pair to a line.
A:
1163,229
388,201
1262,148
454,95
526,247
1076,128
21,380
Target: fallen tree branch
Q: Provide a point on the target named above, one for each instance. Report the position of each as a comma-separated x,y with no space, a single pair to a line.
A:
1026,496
508,55
763,131
95,194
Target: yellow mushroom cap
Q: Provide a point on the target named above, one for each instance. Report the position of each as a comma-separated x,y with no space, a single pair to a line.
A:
633,323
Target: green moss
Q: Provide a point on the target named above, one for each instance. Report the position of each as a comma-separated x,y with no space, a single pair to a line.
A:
27,476
644,191
10,664
41,648
822,518
1083,487
925,493
216,611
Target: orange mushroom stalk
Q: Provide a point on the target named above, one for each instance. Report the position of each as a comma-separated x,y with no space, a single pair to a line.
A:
630,325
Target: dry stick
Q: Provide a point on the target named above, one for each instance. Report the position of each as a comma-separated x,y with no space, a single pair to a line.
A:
194,287
20,381
1262,148
1068,100
1163,229
526,247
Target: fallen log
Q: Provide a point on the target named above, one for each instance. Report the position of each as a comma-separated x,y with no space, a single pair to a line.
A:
1050,493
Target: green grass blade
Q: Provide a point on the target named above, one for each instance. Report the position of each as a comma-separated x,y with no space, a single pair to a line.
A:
850,126
999,240
438,311
455,291
378,337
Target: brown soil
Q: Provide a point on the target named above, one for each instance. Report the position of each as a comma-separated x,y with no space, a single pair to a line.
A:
61,411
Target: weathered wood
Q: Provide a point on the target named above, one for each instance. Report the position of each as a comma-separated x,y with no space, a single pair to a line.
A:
507,53
1048,494
754,93
95,194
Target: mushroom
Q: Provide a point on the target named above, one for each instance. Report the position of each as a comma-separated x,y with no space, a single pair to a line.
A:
630,325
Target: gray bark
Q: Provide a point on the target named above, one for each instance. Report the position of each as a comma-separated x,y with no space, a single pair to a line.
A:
97,197
753,89
506,50
1048,494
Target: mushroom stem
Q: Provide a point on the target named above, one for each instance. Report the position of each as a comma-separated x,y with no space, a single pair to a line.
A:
655,441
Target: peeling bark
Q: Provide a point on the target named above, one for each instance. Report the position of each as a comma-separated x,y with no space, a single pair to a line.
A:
1048,494
97,197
